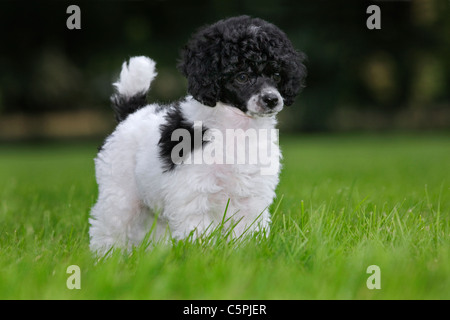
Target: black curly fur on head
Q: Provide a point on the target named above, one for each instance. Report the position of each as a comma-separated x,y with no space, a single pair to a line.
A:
220,51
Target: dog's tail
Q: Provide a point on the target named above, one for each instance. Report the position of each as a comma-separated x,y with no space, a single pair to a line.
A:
132,86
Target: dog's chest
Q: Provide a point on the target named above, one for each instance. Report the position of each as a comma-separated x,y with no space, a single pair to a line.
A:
238,164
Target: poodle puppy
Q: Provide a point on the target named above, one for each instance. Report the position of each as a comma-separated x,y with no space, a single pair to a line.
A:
182,169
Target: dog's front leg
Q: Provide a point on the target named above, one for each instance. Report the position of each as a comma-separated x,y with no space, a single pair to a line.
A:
192,225
188,219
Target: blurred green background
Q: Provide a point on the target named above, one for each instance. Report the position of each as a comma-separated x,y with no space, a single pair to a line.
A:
56,82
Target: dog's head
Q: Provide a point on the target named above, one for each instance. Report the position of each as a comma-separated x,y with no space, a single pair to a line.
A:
247,63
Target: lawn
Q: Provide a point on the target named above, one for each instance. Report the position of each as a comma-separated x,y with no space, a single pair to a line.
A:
344,203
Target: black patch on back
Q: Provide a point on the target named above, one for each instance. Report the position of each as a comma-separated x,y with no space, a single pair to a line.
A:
123,105
175,120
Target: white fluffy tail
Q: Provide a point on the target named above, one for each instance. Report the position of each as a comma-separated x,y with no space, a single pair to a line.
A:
136,76
131,89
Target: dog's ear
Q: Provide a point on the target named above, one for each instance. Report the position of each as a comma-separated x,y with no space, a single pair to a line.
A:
295,73
200,63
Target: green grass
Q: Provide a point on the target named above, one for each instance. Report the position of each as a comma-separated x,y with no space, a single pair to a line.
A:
344,203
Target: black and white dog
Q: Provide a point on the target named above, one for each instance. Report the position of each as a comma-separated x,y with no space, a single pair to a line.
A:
180,162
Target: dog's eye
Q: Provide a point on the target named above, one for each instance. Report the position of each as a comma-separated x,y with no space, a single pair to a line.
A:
242,78
276,77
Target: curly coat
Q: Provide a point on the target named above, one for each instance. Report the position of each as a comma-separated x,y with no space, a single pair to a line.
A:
228,46
240,72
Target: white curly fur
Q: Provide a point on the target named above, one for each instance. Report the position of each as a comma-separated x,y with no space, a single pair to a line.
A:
136,76
134,188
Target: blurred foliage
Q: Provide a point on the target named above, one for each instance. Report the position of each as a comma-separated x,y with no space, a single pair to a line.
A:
402,69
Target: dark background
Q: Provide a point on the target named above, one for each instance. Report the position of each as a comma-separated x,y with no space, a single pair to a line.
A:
56,82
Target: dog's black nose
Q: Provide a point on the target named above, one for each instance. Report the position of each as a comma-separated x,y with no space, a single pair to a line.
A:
270,99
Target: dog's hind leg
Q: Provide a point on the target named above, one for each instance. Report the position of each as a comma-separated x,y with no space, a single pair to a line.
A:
119,218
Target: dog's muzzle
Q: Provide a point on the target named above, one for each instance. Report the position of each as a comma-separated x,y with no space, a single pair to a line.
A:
266,103
270,101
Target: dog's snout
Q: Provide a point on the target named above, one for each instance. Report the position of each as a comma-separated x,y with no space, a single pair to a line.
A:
270,100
